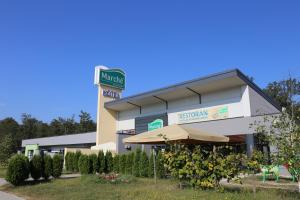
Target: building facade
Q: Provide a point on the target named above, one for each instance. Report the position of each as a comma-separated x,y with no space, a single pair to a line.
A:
224,103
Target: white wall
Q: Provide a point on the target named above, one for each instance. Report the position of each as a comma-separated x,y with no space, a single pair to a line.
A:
231,98
260,105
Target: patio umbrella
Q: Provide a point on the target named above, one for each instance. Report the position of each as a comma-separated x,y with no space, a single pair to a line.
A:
174,133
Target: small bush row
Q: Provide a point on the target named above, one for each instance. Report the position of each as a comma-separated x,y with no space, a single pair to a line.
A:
88,164
19,168
136,163
139,164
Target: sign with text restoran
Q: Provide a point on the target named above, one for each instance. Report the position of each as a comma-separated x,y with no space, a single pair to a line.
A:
204,114
113,78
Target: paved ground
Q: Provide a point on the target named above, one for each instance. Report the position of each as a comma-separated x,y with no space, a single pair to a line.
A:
6,196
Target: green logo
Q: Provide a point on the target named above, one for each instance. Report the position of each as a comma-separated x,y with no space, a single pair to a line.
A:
113,77
156,124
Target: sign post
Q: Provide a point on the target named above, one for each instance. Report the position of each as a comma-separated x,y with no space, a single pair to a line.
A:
156,124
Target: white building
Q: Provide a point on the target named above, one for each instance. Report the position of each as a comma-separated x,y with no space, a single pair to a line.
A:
223,103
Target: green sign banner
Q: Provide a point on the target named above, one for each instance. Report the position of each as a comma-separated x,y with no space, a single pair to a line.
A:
156,124
113,78
203,114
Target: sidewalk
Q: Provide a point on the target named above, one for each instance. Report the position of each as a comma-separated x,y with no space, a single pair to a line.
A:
7,196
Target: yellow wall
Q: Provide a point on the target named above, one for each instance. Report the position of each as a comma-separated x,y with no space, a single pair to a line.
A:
106,119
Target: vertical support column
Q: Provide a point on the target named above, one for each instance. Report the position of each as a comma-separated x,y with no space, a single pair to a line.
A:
250,144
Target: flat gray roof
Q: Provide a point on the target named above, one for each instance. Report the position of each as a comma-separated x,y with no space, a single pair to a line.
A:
80,138
213,82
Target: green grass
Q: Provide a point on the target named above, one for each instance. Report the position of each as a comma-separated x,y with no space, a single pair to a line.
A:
2,172
88,187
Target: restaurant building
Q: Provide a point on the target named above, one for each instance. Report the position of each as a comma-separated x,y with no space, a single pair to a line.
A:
224,103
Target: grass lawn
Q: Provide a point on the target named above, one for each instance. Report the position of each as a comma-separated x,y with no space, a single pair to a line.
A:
88,187
2,172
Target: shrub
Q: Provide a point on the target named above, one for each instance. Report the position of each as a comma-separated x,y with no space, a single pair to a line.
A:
108,162
84,164
75,161
116,163
151,166
129,161
101,159
122,163
144,164
202,168
160,169
18,169
36,167
57,165
68,161
136,163
94,163
47,167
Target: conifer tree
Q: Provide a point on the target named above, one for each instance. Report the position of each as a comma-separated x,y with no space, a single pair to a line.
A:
136,162
144,164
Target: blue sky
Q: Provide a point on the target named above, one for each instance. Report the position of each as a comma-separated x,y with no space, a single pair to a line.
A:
48,49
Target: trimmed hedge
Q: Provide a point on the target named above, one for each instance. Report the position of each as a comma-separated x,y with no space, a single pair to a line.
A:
151,166
129,161
116,163
122,164
68,164
58,162
136,162
84,164
94,163
101,158
144,164
18,169
108,162
36,167
47,167
75,161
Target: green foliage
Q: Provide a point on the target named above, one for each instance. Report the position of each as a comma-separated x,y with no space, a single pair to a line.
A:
84,164
18,169
254,162
36,167
57,165
160,169
7,146
101,158
116,163
144,164
47,167
129,161
283,132
108,162
75,161
151,165
94,163
136,162
68,161
122,164
202,168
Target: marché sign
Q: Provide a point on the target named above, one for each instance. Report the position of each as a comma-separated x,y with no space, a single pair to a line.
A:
112,77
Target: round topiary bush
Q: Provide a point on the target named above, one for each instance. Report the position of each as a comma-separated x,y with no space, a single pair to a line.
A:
36,167
47,167
84,164
18,170
57,165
